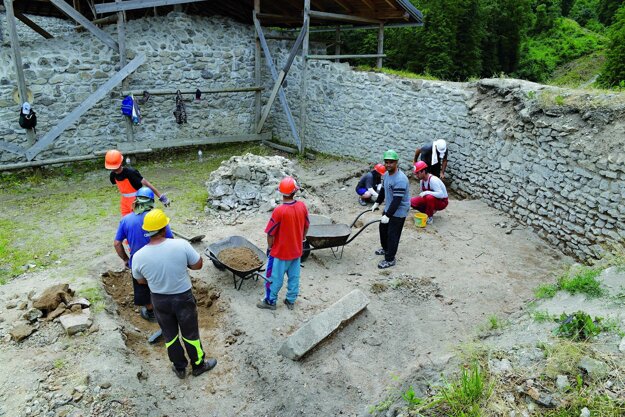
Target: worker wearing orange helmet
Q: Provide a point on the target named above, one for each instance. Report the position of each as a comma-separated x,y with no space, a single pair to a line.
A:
128,181
433,196
370,184
286,231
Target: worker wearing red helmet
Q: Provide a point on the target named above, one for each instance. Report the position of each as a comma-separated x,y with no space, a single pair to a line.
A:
369,185
433,196
128,181
286,230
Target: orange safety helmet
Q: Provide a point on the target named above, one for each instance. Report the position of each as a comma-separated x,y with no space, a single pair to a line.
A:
288,186
113,159
419,166
380,168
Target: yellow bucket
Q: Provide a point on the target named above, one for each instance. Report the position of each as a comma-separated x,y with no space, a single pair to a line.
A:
420,219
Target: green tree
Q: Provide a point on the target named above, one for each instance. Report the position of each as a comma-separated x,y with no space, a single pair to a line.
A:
469,34
614,70
546,11
439,41
607,9
566,7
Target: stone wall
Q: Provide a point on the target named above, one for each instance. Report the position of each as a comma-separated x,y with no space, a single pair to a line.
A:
551,158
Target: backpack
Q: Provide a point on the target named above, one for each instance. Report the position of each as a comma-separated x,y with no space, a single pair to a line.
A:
28,121
127,105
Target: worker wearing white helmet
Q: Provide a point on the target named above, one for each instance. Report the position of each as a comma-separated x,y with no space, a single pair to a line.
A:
435,156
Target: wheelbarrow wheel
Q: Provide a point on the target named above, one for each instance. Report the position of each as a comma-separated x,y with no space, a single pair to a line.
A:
306,253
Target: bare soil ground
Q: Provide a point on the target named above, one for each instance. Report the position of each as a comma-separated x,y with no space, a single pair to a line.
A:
449,278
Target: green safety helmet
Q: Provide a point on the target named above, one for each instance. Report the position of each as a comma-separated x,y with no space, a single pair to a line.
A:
390,155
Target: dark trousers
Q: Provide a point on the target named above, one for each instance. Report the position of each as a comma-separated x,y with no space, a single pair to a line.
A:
177,316
389,236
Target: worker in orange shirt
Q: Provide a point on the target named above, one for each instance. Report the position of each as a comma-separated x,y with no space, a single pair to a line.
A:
128,180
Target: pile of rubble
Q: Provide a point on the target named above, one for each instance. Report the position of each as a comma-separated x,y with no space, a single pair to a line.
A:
56,302
247,182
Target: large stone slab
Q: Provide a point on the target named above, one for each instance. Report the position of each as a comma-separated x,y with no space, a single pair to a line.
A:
76,322
323,324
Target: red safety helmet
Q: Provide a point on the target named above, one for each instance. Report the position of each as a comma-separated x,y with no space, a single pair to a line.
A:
288,186
419,166
113,159
380,168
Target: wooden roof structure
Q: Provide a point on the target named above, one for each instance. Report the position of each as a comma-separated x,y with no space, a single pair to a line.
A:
277,13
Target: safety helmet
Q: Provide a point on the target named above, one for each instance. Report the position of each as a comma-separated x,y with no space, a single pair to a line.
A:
390,155
288,186
154,221
381,169
144,193
113,159
419,166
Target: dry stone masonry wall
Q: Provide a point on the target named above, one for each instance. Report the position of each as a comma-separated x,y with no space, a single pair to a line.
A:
553,159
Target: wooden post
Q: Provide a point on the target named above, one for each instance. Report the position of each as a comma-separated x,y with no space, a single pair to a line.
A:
380,45
121,40
337,45
257,73
17,60
304,83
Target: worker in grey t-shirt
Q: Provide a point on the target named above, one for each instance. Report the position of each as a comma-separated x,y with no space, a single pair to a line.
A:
396,195
162,264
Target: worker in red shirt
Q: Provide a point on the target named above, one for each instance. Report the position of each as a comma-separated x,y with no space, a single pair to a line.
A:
286,231
128,180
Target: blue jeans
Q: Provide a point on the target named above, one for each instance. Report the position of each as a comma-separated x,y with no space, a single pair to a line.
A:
278,268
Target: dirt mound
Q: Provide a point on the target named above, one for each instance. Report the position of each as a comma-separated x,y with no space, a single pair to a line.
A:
241,259
52,297
419,288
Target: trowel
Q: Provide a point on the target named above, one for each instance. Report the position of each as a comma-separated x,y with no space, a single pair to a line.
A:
193,239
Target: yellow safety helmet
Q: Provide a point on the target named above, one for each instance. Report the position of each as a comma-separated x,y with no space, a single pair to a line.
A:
154,221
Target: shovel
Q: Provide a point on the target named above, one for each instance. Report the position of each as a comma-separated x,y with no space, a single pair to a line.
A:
193,239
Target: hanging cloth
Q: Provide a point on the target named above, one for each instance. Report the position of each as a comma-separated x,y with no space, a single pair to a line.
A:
181,112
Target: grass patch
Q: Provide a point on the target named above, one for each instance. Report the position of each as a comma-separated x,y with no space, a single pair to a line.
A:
583,281
542,316
464,396
579,72
399,73
578,326
562,357
95,296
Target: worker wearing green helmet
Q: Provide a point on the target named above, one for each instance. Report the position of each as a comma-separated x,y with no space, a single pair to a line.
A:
396,207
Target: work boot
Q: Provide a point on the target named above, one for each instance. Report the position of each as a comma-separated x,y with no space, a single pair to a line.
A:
207,365
289,304
362,202
148,314
265,304
380,251
386,264
180,373
430,220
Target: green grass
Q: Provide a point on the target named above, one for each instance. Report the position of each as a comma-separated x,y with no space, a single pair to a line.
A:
399,73
464,396
579,72
583,281
542,316
95,296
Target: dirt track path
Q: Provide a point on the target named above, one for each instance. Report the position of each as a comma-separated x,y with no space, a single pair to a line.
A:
448,280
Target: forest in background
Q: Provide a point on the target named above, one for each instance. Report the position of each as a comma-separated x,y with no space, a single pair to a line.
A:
574,43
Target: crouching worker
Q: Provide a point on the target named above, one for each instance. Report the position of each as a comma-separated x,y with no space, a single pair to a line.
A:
131,229
433,196
370,184
163,263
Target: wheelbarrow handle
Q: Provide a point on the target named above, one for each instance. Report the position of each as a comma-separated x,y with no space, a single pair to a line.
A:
360,231
357,217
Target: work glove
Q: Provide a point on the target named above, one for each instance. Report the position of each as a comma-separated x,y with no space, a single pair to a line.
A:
384,219
379,187
374,195
375,207
163,199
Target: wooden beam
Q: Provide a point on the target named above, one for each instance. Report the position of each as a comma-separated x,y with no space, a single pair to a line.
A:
257,70
17,60
282,75
274,76
121,40
107,20
278,17
330,57
304,81
347,9
337,45
138,92
75,114
380,45
342,17
137,4
99,33
25,20
369,4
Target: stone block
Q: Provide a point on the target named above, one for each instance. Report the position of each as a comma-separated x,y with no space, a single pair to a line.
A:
76,322
323,324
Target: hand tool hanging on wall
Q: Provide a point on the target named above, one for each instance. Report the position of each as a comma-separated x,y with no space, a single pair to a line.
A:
181,112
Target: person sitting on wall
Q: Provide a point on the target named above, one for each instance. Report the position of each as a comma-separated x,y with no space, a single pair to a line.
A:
435,156
433,196
369,185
